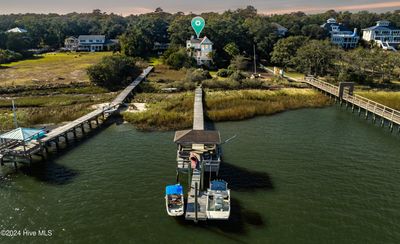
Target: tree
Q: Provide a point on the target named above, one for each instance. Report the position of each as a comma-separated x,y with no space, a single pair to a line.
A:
113,71
178,58
239,62
316,57
314,31
231,49
285,50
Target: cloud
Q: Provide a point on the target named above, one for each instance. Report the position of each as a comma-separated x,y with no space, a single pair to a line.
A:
358,7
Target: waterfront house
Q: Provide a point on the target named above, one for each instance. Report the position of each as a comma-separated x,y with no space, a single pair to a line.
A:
200,49
340,34
17,30
384,34
89,43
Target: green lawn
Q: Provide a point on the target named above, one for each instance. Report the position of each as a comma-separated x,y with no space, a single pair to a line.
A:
49,68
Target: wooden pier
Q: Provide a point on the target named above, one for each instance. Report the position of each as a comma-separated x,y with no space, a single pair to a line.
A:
344,94
205,145
13,150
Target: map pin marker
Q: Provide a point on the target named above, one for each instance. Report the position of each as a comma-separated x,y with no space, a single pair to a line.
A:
198,24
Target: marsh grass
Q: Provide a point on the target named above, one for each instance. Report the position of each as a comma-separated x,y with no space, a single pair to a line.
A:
388,98
175,111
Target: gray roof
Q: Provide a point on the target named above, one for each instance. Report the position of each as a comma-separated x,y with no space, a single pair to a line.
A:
197,137
383,26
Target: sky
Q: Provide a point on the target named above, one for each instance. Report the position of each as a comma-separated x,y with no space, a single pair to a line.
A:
127,7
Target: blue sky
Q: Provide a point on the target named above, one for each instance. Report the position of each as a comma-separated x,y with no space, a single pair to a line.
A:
127,7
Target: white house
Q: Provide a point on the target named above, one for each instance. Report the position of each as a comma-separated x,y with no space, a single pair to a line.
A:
201,49
384,34
89,43
17,30
340,34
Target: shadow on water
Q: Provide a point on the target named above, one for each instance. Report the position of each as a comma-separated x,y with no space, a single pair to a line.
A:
241,179
239,218
50,172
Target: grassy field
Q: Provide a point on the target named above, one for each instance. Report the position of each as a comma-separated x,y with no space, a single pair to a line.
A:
175,111
49,68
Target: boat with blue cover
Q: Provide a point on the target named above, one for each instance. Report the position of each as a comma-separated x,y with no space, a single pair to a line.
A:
218,200
174,201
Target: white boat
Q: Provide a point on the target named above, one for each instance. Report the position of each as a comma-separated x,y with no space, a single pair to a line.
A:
174,201
218,200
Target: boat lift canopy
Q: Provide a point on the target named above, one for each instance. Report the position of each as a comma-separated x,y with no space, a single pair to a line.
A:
23,134
174,190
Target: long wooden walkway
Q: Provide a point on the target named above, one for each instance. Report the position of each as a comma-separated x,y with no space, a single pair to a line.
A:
71,127
52,135
198,117
369,106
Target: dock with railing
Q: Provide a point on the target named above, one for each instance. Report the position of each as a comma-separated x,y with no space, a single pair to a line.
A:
387,115
14,150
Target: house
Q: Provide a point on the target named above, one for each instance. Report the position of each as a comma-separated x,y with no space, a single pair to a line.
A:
89,43
340,34
201,49
280,30
384,34
71,43
17,30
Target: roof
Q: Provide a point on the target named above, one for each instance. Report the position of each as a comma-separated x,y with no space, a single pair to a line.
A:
22,134
383,25
197,137
92,37
341,27
203,40
17,30
279,27
174,189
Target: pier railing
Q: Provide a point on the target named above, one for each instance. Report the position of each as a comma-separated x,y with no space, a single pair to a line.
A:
368,105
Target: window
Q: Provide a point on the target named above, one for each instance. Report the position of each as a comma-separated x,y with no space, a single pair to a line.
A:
90,40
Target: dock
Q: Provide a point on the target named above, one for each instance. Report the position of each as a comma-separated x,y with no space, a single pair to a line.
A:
344,94
368,106
204,146
21,149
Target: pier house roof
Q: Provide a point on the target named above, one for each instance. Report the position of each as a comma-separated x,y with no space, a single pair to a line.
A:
197,137
22,134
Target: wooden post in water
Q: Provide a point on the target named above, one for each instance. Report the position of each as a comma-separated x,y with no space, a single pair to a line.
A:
195,202
382,122
90,124
177,176
202,175
82,129
74,131
189,174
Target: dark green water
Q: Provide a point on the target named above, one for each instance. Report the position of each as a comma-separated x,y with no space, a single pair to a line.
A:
305,176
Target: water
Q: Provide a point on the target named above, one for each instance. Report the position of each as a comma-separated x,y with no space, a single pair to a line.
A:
304,176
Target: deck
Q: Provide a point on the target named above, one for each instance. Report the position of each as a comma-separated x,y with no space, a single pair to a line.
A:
201,200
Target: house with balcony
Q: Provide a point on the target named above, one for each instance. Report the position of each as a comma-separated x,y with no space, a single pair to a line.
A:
89,43
384,34
340,34
200,49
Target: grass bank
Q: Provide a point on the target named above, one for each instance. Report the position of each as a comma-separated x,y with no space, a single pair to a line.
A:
49,69
175,111
36,110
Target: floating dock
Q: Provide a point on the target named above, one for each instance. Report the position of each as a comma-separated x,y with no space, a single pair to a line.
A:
12,150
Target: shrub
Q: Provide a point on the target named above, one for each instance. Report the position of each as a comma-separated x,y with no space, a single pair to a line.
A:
197,75
253,84
113,71
221,84
178,58
237,75
222,73
7,56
